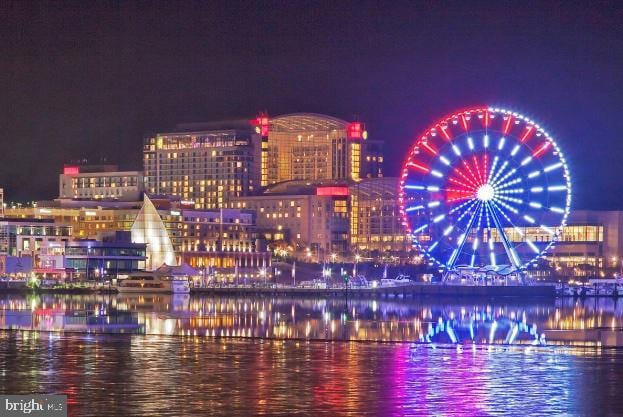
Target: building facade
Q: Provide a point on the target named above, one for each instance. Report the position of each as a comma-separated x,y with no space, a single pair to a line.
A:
209,166
590,244
220,239
376,227
105,182
24,237
303,215
103,260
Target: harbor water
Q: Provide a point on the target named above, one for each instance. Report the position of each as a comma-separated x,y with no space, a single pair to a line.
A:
165,355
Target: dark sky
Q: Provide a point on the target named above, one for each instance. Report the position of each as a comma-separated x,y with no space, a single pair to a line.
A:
89,79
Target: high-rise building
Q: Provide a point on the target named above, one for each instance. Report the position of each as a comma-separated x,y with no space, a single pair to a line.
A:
315,147
208,164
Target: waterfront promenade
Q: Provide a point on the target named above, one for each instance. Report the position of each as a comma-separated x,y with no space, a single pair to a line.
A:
415,290
405,291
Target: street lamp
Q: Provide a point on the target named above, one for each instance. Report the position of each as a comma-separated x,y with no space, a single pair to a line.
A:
263,273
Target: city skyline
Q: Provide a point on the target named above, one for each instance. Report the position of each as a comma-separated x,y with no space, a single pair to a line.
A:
98,86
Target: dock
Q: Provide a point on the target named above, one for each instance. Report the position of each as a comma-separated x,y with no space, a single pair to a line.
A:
405,291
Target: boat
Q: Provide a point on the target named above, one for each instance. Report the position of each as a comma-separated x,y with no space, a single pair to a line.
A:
316,284
149,282
400,280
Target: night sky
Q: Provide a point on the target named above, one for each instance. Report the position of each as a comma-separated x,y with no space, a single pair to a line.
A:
89,79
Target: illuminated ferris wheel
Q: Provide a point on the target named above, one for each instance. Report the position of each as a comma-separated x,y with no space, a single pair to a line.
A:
485,187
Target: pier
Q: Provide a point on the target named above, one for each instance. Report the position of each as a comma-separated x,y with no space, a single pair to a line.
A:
405,291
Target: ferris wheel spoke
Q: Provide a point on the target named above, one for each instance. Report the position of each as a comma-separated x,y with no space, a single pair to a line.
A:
505,205
492,169
504,177
499,172
510,191
507,184
458,171
528,241
457,182
477,165
459,207
471,172
509,200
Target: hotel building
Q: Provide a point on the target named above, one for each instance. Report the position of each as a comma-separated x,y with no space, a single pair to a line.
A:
208,164
304,215
315,147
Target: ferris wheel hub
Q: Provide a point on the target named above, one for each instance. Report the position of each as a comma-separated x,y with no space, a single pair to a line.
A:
485,192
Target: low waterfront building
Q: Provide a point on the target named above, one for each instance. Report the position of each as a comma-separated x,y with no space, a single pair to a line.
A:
16,266
590,245
220,239
111,257
25,236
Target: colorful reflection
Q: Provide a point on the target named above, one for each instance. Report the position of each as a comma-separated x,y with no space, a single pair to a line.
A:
563,321
292,374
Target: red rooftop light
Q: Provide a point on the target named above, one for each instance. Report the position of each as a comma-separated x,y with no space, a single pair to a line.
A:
332,191
262,121
354,130
71,170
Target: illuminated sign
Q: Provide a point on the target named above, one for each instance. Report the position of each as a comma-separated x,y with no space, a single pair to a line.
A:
262,124
332,191
354,131
71,170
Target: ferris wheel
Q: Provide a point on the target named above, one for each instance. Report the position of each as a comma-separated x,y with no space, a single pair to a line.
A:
485,187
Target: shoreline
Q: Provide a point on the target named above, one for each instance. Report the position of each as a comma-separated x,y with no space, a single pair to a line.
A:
407,291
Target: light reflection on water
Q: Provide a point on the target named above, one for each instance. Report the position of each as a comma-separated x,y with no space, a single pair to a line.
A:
312,319
155,374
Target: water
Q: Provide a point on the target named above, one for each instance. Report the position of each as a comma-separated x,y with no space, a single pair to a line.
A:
127,356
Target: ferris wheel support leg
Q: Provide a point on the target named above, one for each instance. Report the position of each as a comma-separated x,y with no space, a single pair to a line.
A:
506,243
462,243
